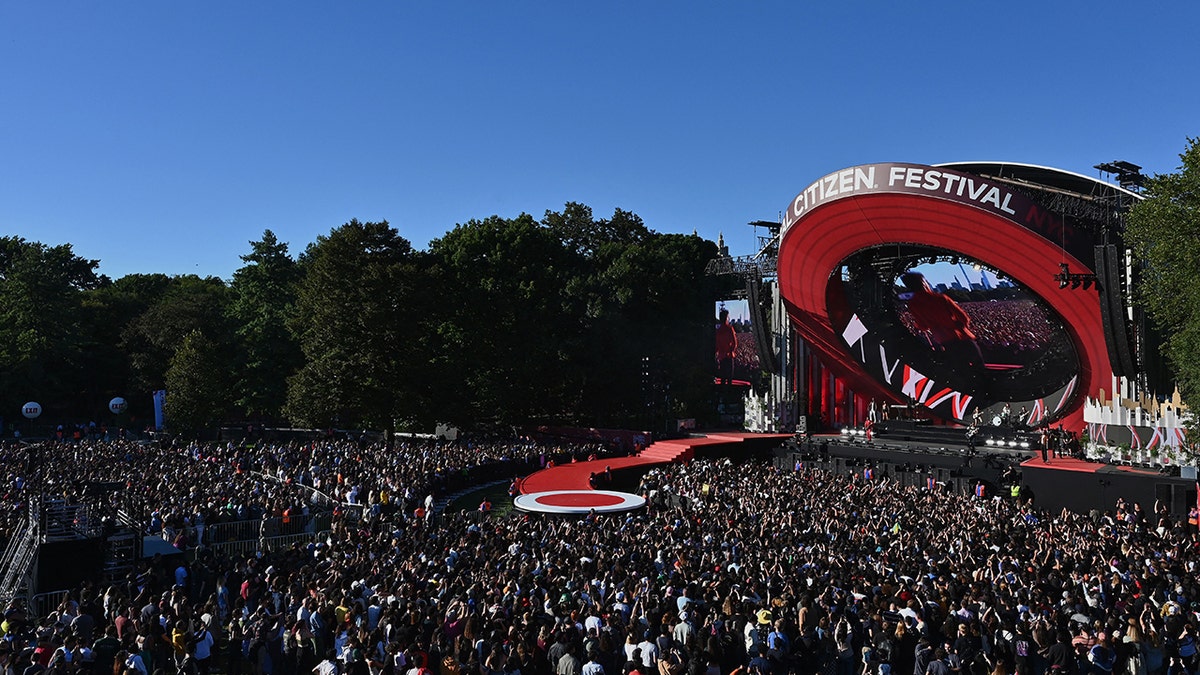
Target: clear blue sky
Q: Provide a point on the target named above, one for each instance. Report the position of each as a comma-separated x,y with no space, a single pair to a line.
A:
164,136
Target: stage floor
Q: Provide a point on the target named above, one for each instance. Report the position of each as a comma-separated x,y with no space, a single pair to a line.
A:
567,488
1086,466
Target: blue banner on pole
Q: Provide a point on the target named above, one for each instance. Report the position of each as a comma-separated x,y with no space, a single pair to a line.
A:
160,401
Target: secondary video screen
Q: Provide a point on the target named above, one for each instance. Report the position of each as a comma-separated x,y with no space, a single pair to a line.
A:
736,359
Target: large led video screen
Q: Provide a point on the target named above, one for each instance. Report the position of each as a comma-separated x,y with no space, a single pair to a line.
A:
736,359
915,316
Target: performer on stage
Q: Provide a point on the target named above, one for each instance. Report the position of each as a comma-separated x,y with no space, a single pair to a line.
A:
943,323
727,342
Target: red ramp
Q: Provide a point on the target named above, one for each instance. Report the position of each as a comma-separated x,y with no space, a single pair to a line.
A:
574,476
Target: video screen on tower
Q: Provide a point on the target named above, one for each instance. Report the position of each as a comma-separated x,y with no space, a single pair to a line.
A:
736,358
950,319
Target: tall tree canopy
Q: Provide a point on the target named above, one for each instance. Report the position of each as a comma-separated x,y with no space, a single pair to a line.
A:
184,304
108,311
1164,230
645,310
572,319
197,386
42,342
263,299
356,320
505,332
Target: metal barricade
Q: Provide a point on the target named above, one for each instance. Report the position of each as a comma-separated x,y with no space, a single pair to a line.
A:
239,530
267,545
44,603
267,528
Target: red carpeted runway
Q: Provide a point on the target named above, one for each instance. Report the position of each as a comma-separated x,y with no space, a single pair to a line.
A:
1063,464
575,476
1083,466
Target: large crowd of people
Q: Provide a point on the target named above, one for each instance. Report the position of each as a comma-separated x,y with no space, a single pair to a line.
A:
743,567
171,490
1005,328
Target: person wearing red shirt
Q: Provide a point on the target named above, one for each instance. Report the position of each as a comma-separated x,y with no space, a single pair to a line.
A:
726,347
943,322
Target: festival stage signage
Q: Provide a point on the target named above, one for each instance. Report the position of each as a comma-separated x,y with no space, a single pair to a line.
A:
940,183
857,248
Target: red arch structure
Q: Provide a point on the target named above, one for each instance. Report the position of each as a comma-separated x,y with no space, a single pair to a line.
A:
888,204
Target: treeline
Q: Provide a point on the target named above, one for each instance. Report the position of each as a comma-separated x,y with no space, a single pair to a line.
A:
567,320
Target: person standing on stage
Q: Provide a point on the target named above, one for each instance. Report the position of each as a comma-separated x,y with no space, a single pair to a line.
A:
727,342
942,322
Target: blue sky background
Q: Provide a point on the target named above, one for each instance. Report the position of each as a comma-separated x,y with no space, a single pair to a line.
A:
164,136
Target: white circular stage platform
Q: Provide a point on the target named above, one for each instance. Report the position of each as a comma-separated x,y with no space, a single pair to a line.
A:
578,501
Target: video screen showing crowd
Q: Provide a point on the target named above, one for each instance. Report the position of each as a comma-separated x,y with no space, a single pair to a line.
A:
961,324
736,357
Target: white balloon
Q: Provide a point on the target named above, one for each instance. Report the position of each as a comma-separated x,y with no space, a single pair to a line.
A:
31,410
117,405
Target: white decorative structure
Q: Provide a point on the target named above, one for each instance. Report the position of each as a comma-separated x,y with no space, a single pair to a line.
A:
1137,429
764,414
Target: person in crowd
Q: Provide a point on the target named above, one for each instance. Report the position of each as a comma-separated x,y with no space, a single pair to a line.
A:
736,564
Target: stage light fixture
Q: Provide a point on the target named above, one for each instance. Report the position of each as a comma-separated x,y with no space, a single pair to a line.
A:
1025,445
1012,444
990,441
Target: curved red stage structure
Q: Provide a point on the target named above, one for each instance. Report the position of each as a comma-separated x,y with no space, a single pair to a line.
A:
880,205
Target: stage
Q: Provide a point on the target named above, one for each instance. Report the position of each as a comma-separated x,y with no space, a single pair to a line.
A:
905,455
1074,484
572,488
1081,485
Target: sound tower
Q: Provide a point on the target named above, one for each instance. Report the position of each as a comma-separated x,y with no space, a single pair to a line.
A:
760,327
1109,273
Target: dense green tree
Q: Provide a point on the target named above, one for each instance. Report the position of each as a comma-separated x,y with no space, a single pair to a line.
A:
505,330
263,299
573,319
184,304
651,347
1164,231
41,347
196,383
356,319
107,311
578,230
645,328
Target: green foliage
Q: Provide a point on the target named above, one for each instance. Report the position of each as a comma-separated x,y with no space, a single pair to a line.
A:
355,309
108,310
570,319
178,306
505,332
42,347
263,300
196,383
646,310
1164,231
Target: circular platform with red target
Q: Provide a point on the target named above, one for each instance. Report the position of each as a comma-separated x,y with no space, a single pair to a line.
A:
578,502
